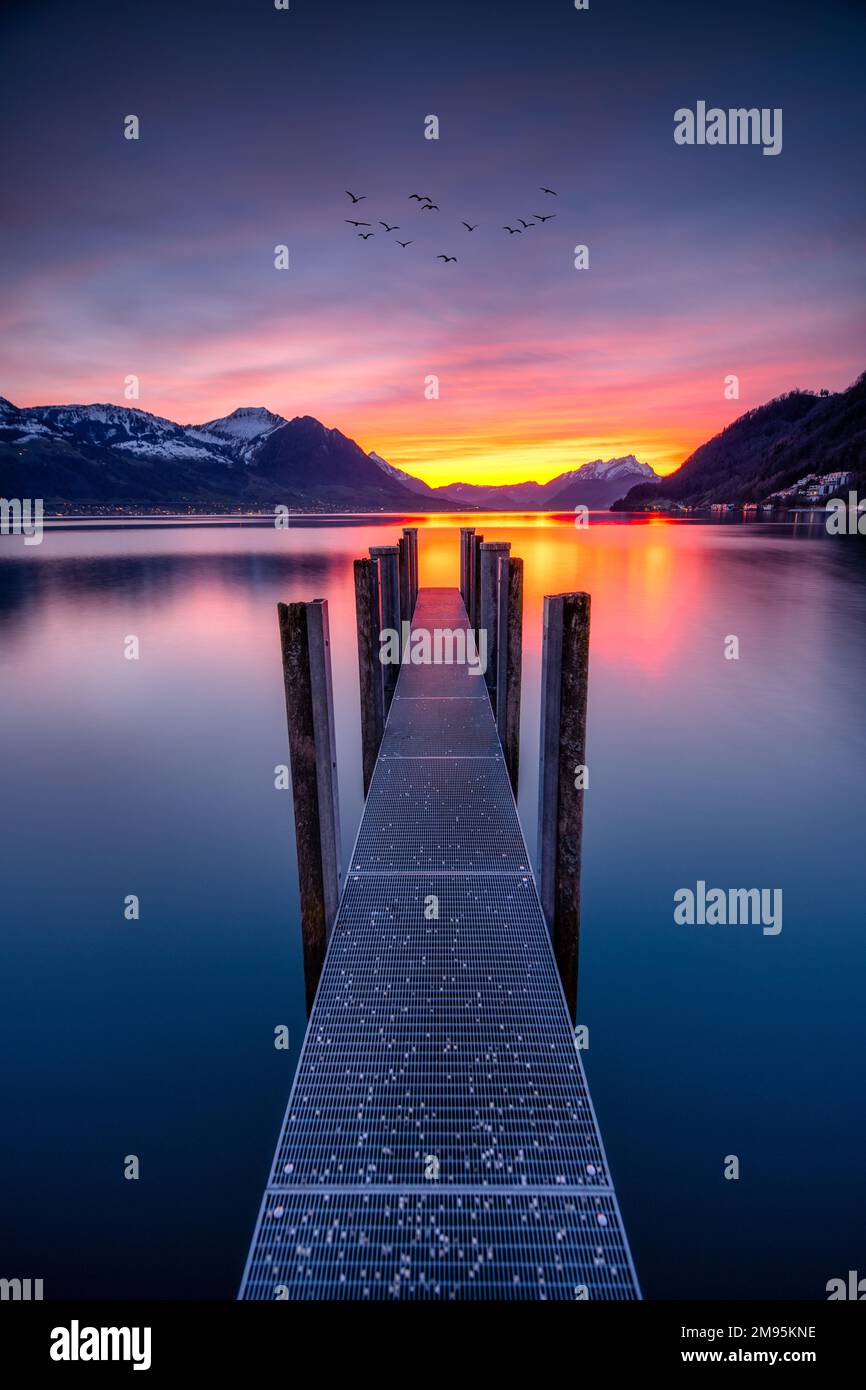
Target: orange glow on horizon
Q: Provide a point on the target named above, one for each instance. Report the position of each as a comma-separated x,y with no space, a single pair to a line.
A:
502,460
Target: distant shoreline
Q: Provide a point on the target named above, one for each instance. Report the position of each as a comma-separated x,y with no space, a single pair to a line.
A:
59,519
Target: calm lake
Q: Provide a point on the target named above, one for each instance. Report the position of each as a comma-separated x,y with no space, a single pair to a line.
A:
155,777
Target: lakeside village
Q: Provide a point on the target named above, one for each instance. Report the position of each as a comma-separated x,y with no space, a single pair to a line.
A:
807,493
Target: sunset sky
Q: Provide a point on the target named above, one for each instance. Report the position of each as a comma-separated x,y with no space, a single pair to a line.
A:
156,257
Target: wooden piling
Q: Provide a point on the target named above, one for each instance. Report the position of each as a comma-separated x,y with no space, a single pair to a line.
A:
369,666
389,606
411,534
491,552
475,585
466,534
565,672
508,677
306,653
405,567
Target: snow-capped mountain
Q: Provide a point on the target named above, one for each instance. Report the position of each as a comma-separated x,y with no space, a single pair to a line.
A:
610,470
414,484
105,455
595,485
248,422
108,455
243,429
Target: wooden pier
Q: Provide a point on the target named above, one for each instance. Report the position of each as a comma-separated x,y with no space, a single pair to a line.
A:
440,1141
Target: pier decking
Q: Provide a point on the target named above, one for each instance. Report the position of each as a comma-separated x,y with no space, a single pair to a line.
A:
439,1141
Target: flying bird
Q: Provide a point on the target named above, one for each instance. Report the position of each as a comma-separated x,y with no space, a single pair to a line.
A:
446,258
357,224
469,227
541,217
404,243
430,207
525,224
420,197
550,190
512,230
365,235
356,198
395,228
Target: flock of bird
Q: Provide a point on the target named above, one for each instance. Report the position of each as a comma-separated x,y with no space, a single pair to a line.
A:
426,204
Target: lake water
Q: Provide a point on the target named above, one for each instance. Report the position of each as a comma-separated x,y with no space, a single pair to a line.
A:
156,777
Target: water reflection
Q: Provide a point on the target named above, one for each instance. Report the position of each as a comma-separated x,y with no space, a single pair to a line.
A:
156,777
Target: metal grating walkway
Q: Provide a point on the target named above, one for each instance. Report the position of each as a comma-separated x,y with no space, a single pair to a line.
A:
439,1140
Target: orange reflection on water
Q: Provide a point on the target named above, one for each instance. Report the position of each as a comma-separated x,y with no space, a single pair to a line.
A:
644,580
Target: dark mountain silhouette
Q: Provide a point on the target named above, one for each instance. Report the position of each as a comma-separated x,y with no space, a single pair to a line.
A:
104,456
769,448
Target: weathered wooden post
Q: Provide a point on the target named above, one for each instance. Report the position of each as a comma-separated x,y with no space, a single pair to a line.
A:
389,602
491,552
405,566
369,666
306,651
475,610
466,534
565,673
509,670
411,534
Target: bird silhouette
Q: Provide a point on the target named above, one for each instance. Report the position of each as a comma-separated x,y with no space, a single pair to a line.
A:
469,227
541,217
404,243
356,197
430,207
420,197
395,228
357,224
446,258
366,235
550,190
512,230
525,224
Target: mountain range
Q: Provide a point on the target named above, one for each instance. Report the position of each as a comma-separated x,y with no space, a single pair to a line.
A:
594,485
106,457
85,457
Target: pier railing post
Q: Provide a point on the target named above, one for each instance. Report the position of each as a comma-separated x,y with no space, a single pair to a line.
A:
491,553
466,534
389,601
508,676
565,671
306,653
475,582
411,534
369,666
404,556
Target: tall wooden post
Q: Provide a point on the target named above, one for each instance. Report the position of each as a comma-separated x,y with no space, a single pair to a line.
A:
411,534
491,552
475,610
466,534
389,602
508,676
565,674
369,666
405,565
306,651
